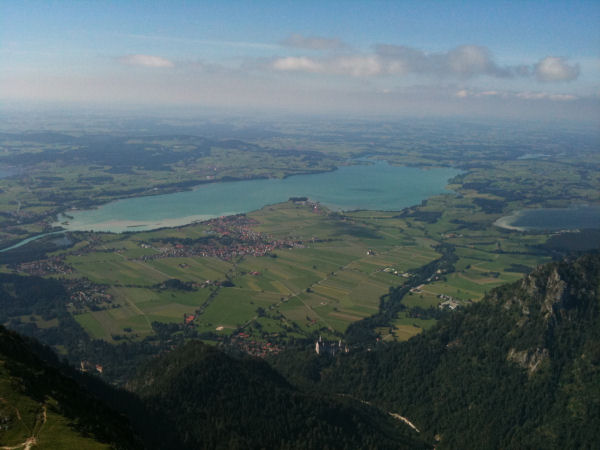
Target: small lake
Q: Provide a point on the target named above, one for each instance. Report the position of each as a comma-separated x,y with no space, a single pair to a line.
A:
533,156
377,186
6,172
573,218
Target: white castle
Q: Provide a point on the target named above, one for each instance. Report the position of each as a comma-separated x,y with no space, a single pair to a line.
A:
330,348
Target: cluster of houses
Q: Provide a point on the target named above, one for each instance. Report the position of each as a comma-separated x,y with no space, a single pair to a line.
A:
417,289
304,201
50,266
395,272
83,293
451,235
255,348
243,241
188,319
448,303
239,224
436,276
223,252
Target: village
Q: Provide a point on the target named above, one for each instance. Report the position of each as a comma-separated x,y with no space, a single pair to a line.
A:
83,294
43,267
260,349
232,236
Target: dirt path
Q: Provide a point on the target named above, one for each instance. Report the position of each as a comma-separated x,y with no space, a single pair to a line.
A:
28,443
405,420
17,412
394,415
148,266
135,308
311,309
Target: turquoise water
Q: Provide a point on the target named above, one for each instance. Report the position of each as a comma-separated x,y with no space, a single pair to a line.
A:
576,217
533,156
378,186
28,240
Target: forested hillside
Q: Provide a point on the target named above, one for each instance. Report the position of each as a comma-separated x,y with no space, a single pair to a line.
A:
200,397
193,397
41,407
520,369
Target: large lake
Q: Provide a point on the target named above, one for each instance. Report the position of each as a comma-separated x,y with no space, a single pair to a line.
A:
378,186
576,217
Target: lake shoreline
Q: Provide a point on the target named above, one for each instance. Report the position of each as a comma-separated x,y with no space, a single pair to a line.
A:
432,181
573,218
506,222
378,186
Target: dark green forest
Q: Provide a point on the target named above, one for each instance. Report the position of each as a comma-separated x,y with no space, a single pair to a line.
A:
32,377
212,400
520,369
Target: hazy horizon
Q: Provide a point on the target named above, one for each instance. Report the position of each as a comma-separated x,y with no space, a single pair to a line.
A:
533,60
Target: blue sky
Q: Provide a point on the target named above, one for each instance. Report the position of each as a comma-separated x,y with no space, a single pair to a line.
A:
536,58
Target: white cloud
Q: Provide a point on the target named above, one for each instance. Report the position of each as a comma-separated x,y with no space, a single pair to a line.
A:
145,61
462,62
553,68
545,96
312,42
354,65
525,95
469,60
302,64
358,65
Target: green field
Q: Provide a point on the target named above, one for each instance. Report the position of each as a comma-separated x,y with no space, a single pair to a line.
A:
333,276
340,264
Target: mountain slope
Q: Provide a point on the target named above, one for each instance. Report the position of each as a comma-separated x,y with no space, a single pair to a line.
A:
520,369
41,408
213,400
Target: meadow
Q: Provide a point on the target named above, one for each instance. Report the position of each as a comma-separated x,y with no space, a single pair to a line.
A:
335,274
333,279
338,265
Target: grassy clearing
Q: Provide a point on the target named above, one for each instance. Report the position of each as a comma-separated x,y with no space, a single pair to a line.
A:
30,418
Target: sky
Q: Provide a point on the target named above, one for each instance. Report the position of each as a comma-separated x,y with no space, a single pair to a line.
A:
530,59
